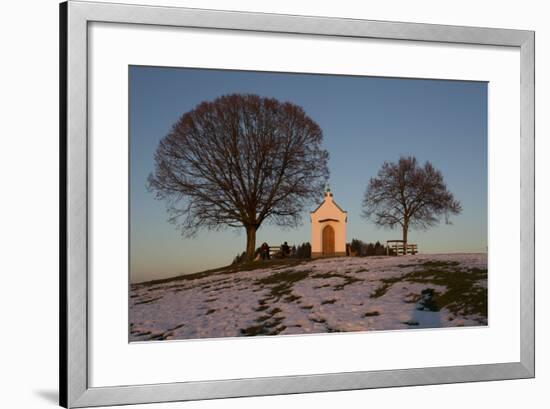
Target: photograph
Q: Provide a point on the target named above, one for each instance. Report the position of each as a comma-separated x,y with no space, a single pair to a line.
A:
283,203
288,204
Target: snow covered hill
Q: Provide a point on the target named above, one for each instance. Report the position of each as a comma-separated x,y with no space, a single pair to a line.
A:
314,296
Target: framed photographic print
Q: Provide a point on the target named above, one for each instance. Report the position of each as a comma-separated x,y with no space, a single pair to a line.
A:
258,204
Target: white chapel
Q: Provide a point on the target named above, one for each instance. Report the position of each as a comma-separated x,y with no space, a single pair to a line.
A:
328,228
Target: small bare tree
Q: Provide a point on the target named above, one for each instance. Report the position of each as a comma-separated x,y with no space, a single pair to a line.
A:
408,195
238,161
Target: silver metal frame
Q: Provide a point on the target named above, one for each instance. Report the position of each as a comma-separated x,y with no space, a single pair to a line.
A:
74,388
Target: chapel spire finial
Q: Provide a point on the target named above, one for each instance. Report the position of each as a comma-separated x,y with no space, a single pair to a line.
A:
327,190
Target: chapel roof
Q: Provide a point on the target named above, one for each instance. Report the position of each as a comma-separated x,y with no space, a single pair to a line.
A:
328,193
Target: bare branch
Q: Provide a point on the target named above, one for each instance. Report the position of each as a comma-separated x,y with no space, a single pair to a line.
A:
238,161
408,195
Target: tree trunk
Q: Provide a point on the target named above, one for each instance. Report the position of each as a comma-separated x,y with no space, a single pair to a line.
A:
250,242
405,232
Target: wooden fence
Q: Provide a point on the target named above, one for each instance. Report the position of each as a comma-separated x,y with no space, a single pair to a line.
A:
398,247
274,250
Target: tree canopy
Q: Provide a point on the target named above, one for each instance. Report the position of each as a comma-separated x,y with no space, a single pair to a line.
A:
407,195
239,161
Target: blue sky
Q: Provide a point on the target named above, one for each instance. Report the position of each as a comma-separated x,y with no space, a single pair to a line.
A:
365,121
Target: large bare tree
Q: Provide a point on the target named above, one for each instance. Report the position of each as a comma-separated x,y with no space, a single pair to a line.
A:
239,161
408,195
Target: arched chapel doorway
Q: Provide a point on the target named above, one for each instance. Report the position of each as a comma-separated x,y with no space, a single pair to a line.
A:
328,240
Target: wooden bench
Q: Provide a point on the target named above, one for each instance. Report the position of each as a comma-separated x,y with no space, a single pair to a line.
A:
273,250
398,247
277,251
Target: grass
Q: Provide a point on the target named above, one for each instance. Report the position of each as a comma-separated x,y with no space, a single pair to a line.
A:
292,298
148,301
439,264
411,323
284,277
154,336
140,333
348,279
431,264
281,283
267,324
246,266
253,265
372,314
321,320
462,295
386,284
